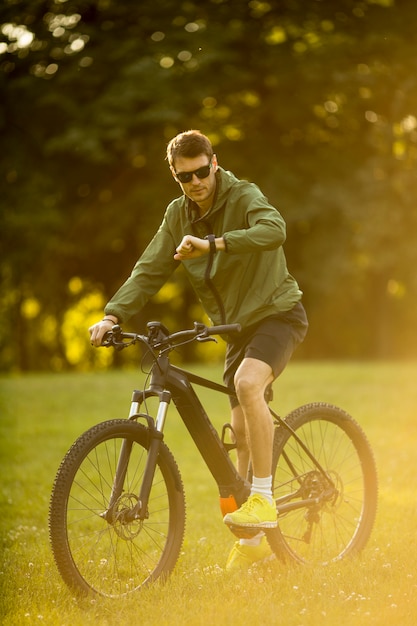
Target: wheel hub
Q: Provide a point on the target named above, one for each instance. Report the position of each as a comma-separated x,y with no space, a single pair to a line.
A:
125,523
328,490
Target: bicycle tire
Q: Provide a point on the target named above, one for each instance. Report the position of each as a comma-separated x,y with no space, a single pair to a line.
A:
333,527
112,558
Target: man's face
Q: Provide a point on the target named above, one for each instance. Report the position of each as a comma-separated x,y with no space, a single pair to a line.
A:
200,190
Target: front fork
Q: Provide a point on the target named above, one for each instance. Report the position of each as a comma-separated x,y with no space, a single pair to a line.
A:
155,430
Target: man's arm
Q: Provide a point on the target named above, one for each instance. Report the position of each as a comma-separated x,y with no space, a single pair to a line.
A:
149,274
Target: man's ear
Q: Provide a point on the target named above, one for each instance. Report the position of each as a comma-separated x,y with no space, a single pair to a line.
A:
214,163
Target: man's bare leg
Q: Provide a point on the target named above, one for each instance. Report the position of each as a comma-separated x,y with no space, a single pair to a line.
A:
254,430
241,440
252,419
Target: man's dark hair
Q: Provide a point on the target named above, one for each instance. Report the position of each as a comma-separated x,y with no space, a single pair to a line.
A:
189,144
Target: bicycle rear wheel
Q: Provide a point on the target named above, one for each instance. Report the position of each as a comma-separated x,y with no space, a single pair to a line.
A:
325,511
114,556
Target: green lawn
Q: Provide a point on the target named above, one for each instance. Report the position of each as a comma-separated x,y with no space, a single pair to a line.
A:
42,414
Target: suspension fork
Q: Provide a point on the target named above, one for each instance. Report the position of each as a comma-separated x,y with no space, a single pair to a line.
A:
155,430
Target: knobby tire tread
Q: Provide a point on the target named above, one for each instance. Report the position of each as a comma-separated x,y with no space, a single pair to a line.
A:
342,420
96,435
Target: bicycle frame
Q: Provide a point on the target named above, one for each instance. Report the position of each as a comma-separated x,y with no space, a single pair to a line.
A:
171,383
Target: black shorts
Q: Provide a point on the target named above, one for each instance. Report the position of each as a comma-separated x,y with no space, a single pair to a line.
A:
273,341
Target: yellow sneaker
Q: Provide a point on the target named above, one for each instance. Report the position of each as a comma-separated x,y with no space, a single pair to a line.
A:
243,556
256,512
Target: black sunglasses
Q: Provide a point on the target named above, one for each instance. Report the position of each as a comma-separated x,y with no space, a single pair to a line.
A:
202,172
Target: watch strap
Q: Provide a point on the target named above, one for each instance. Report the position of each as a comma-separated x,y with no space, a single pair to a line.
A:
212,241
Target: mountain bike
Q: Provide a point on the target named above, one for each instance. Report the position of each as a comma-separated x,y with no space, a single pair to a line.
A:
117,510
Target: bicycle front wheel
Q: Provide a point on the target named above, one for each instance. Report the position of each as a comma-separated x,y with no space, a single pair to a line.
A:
114,555
325,485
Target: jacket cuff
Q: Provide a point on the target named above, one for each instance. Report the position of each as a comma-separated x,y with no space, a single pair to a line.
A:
109,311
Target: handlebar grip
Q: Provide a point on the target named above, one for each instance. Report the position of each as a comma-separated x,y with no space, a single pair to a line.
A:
224,329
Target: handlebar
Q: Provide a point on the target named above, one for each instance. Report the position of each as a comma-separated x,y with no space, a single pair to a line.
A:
159,338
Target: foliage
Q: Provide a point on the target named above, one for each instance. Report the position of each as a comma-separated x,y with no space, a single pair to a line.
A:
314,102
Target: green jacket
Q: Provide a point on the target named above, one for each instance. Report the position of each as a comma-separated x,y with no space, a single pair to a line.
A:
250,277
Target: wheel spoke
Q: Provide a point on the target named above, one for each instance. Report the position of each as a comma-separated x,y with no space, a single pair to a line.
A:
339,520
107,552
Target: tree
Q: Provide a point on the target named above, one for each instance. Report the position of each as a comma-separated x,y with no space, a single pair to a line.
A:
315,103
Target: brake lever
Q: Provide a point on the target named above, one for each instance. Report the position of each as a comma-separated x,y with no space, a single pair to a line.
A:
203,339
112,339
106,342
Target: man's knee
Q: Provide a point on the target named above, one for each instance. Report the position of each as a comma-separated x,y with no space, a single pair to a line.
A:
245,386
251,380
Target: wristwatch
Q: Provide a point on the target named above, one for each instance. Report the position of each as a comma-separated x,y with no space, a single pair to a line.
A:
212,241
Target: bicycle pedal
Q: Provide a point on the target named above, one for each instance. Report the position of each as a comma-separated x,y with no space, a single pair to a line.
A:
243,533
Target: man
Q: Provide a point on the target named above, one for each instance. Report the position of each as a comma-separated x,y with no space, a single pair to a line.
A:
248,283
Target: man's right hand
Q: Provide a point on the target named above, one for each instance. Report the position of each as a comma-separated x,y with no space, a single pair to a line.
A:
98,330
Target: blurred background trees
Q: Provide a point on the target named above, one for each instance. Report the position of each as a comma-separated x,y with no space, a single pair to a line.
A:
315,101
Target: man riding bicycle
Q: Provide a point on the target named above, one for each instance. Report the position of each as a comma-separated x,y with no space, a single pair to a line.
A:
230,241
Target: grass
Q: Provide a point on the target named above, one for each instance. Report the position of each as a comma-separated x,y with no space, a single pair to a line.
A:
41,414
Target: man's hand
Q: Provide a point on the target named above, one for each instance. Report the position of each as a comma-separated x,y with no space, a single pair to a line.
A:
191,248
97,331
